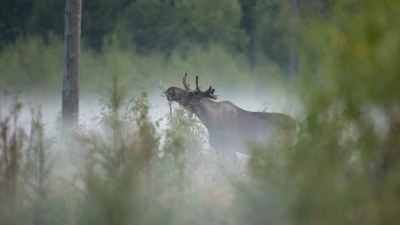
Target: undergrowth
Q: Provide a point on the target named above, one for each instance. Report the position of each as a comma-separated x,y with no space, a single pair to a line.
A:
343,168
124,170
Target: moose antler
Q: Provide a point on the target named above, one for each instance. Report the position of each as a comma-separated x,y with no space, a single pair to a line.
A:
197,84
185,84
209,93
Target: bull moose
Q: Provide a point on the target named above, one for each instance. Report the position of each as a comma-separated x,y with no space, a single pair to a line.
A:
230,127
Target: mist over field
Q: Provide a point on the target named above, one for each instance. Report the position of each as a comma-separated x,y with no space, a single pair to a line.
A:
133,159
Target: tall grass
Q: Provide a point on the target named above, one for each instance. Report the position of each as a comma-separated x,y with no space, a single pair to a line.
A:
28,190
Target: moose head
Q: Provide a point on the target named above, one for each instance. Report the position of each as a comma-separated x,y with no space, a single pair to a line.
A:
188,97
229,127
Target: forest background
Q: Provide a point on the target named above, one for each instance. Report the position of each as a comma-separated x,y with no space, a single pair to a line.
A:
344,167
226,42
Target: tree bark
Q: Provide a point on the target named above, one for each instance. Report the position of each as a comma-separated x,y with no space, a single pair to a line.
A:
70,89
293,38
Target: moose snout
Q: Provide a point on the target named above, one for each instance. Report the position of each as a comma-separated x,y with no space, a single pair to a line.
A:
169,98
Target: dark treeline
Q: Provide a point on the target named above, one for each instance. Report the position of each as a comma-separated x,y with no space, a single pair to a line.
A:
251,26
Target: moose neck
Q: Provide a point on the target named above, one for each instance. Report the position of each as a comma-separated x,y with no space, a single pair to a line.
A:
203,110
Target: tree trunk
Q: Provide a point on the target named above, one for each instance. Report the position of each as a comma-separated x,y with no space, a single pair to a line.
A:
293,38
70,90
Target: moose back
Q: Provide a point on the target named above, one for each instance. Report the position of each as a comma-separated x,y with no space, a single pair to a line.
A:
229,127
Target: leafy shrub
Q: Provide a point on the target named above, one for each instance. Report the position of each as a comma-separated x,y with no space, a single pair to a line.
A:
344,164
27,187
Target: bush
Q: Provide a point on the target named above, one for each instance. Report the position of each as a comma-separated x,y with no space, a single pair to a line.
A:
344,164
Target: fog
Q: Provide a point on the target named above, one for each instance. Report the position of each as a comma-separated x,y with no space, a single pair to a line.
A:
90,108
90,113
211,180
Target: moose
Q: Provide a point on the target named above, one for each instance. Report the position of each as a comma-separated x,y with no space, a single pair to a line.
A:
230,128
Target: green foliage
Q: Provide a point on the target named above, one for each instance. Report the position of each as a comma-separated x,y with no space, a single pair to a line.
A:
99,20
26,183
163,26
271,30
38,184
157,25
35,68
31,65
43,21
135,180
118,176
185,137
345,162
12,139
175,35
14,16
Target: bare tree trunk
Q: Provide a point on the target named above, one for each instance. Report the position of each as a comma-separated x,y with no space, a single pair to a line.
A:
293,38
70,90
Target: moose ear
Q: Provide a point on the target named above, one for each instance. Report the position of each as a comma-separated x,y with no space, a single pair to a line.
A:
214,97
